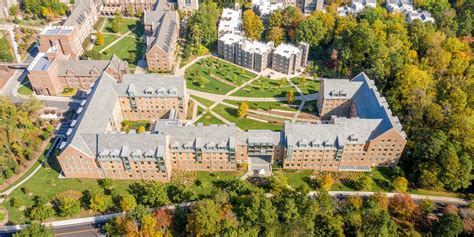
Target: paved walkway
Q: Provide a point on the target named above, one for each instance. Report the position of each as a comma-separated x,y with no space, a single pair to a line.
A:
214,97
181,71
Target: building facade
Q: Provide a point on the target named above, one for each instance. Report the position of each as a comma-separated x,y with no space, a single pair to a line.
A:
356,139
253,55
67,39
289,59
50,76
162,33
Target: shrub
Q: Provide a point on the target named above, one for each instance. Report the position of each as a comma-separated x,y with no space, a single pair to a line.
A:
184,177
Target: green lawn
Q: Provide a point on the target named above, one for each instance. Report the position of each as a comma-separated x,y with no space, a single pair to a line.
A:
244,123
280,105
297,177
46,184
207,179
306,86
225,70
195,73
128,125
208,119
25,89
108,39
203,101
264,87
124,47
127,25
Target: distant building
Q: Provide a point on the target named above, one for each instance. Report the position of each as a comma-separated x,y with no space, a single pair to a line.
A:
399,5
112,6
50,76
67,39
253,55
162,30
309,6
356,7
265,7
230,22
289,59
419,14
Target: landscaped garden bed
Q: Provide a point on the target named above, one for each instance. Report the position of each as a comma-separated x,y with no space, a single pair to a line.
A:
307,86
230,114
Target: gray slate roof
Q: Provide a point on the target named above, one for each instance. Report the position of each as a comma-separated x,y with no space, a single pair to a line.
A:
81,9
164,23
339,88
81,67
199,136
150,85
342,131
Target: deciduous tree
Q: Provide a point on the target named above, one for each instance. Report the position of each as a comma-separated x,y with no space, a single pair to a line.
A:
252,25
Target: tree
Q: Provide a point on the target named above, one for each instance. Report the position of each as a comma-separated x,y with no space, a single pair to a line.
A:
41,211
100,39
290,96
130,10
127,202
98,202
204,218
91,54
115,26
68,203
400,184
106,184
448,225
150,193
426,206
243,109
36,230
291,18
141,129
276,35
311,30
364,183
132,57
401,206
14,10
326,182
252,25
139,12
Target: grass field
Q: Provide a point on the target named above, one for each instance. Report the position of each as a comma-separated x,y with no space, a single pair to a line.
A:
203,101
108,39
124,47
243,123
128,125
264,87
25,89
306,86
208,119
127,25
280,105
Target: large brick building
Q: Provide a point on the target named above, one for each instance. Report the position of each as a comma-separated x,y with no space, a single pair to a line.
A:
67,39
359,136
162,30
50,76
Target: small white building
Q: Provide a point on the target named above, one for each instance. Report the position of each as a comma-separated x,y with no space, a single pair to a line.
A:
266,7
399,5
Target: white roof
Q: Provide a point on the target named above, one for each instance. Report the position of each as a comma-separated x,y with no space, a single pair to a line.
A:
287,50
231,21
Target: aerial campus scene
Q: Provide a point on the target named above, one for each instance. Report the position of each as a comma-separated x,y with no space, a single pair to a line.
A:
236,118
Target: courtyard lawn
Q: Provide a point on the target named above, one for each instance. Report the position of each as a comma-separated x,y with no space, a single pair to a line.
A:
128,125
124,47
203,101
208,119
244,123
127,25
204,82
108,39
25,89
226,70
267,106
307,86
297,177
264,87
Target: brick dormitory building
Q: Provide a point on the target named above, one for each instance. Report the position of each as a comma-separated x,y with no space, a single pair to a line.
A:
357,132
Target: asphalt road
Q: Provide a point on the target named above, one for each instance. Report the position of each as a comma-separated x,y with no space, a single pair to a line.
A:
83,230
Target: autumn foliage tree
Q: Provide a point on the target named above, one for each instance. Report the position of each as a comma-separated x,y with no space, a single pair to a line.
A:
252,25
243,109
